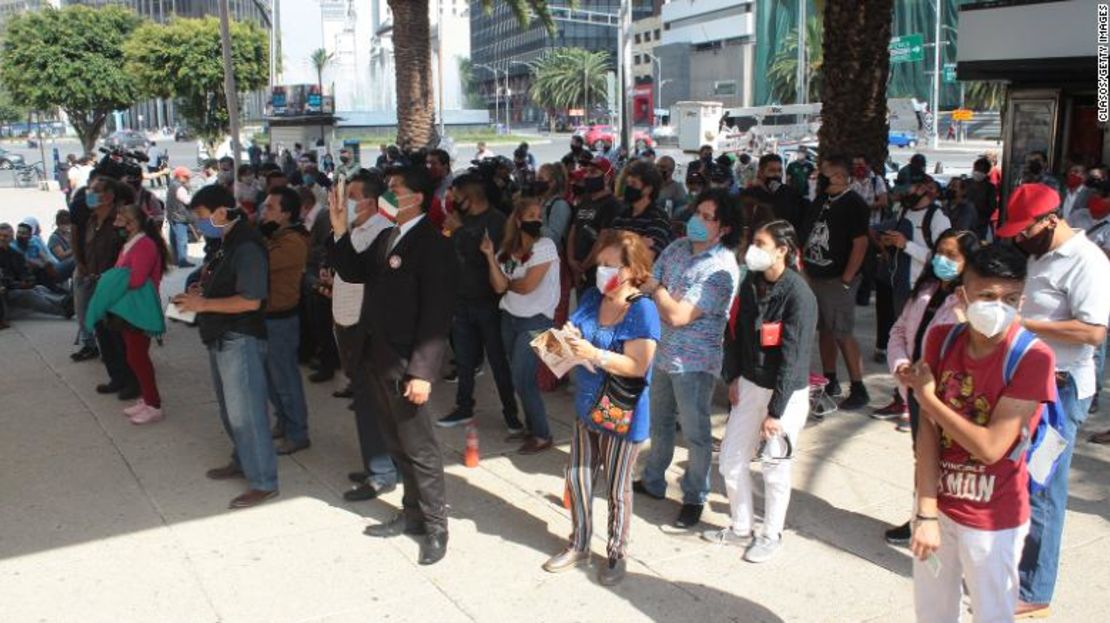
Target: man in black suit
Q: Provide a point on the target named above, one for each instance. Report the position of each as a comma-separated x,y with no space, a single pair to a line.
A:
408,305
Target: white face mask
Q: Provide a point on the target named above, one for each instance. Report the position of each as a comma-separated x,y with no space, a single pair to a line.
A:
608,278
990,317
978,176
352,209
758,259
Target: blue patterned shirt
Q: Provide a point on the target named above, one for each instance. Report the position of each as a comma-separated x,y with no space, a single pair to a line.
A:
708,280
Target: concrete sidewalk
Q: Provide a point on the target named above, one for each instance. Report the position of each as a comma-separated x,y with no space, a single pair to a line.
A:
104,521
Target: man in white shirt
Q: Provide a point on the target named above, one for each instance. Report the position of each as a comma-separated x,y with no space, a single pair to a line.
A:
1067,307
378,474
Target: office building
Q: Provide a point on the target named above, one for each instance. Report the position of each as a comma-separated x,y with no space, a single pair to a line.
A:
707,51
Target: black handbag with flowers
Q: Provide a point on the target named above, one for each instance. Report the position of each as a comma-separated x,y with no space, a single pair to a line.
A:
616,401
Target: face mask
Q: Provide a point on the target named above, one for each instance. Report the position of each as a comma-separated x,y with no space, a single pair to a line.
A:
594,184
578,189
352,210
387,205
269,228
1099,206
910,202
773,183
210,230
822,183
225,177
632,195
978,176
990,317
757,259
1074,181
309,181
532,228
696,229
344,159
121,232
92,199
608,279
945,268
860,172
576,149
1037,245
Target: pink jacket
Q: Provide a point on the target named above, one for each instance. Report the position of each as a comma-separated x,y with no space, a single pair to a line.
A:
900,348
141,255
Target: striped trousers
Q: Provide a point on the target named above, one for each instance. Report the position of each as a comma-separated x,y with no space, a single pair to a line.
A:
588,449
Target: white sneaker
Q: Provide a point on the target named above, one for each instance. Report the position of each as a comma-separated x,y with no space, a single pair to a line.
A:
148,415
135,409
726,536
763,549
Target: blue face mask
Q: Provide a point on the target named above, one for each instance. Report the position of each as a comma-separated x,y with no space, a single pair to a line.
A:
944,268
696,229
208,230
92,199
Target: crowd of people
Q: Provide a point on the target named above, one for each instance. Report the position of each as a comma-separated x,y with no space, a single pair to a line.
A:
414,272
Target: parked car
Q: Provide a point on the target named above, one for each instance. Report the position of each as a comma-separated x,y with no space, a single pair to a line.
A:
183,135
596,135
902,138
130,140
10,160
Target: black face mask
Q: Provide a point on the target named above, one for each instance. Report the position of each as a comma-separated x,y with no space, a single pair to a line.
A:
532,228
463,206
632,195
910,202
576,149
822,183
540,187
344,159
578,189
594,184
1037,245
268,228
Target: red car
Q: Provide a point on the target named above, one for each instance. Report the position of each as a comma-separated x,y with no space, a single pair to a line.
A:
596,135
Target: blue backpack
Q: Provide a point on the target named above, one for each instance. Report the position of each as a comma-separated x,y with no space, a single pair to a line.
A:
1044,446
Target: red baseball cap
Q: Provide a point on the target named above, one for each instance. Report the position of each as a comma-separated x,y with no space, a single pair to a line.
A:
1027,204
601,163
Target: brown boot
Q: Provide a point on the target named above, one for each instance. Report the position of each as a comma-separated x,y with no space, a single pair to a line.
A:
252,497
227,472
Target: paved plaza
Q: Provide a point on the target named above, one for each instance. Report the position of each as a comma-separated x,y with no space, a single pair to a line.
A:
101,520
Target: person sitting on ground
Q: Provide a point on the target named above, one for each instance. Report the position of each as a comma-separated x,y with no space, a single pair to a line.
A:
17,288
973,500
60,245
28,241
616,330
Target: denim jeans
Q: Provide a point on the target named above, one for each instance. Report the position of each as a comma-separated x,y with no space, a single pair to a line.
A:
39,299
283,376
477,329
685,396
1041,558
516,333
83,288
179,240
238,365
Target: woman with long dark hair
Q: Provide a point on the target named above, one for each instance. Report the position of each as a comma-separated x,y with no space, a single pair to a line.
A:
766,366
146,255
930,304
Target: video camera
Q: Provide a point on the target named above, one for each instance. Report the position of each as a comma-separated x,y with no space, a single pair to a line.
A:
120,164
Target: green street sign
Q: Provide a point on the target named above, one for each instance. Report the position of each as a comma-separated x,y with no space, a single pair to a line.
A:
907,48
949,73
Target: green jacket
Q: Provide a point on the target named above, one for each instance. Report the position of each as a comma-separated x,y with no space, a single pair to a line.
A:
141,307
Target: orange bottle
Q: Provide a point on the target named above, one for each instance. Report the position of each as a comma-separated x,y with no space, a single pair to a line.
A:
470,455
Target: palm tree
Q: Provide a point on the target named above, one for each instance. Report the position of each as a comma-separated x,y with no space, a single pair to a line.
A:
412,59
984,95
566,78
783,74
855,70
320,59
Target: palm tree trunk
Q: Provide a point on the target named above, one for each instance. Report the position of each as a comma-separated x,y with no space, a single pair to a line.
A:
855,67
413,67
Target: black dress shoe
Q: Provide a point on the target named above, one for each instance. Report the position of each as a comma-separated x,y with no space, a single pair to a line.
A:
365,491
358,477
689,516
433,547
86,353
110,387
346,392
130,392
396,526
321,375
638,487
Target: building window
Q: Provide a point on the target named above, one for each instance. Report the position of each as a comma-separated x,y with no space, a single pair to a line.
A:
637,37
657,34
647,36
724,87
635,59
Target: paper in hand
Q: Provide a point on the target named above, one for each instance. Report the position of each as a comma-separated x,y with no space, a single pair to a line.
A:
173,312
552,349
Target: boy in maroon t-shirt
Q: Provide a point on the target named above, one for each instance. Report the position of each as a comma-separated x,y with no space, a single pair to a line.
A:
972,479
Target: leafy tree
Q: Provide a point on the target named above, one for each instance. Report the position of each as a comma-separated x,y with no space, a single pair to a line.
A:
10,112
569,78
70,59
783,74
855,67
412,59
182,60
321,59
983,95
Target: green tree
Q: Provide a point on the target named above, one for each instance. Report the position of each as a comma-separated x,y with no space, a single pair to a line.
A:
782,77
182,60
70,59
983,95
412,60
855,67
321,59
566,78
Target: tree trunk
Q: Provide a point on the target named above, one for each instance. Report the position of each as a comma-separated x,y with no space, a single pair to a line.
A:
412,60
87,127
855,67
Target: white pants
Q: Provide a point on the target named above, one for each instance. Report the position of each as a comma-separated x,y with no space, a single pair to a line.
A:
986,559
742,437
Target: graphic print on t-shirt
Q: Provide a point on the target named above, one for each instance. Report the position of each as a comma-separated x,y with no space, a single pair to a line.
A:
964,480
817,246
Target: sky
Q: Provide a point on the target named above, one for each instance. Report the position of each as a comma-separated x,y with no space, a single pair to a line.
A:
301,33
